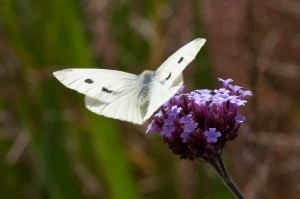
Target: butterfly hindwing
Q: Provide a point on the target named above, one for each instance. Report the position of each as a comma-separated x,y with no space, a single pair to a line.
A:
124,108
160,94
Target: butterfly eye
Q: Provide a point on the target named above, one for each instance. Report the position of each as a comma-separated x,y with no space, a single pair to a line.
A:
89,81
180,60
168,76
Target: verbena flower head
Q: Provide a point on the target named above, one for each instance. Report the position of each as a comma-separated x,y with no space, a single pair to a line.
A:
197,125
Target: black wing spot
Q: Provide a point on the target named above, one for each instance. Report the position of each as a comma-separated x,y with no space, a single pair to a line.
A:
180,60
106,90
89,81
168,76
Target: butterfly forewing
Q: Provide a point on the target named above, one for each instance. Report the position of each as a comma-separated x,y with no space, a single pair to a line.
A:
103,85
177,62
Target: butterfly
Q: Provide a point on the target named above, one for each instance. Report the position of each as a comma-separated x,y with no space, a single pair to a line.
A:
128,97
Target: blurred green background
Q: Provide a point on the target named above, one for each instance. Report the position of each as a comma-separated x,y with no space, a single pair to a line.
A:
51,146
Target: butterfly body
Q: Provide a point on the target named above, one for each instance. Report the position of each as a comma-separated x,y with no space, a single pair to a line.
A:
126,96
145,78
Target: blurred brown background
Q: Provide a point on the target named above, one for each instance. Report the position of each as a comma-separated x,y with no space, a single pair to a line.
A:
52,147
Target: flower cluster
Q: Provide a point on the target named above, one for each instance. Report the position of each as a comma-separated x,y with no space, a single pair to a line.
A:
197,125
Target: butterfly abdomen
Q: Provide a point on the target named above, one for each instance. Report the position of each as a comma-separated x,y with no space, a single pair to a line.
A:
145,79
143,95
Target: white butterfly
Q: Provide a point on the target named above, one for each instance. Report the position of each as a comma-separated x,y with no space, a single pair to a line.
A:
129,97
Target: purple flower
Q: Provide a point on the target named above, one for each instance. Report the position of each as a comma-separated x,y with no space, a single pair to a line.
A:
220,98
151,127
234,88
189,127
167,130
225,82
181,89
159,114
245,93
222,92
190,123
238,102
192,94
186,119
203,91
169,120
174,111
185,136
212,135
240,118
202,98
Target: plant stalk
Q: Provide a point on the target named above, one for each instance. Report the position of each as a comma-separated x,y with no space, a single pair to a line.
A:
218,164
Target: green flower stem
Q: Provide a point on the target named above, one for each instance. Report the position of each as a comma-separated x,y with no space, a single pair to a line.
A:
219,166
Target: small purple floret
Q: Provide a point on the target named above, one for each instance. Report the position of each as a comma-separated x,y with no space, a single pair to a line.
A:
240,118
186,119
202,98
150,127
245,93
225,82
212,135
238,101
174,111
235,88
167,130
181,89
203,91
